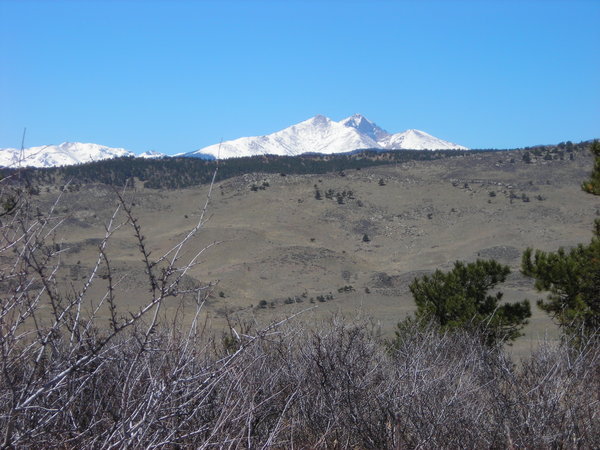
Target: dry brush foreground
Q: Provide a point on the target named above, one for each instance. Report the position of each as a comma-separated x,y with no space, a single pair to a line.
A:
79,370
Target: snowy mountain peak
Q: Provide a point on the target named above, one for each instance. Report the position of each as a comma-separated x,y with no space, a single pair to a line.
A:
65,154
319,134
417,140
317,121
356,120
151,154
365,126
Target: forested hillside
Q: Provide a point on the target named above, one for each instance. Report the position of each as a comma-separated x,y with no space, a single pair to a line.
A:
182,172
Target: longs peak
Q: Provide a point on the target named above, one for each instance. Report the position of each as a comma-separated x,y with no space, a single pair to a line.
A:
320,134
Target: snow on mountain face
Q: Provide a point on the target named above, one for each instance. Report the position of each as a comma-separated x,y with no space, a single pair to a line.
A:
67,153
320,134
409,139
417,140
151,154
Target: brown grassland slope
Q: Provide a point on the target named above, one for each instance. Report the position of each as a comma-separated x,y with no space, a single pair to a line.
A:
356,249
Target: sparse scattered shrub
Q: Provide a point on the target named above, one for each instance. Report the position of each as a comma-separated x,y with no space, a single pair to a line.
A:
346,289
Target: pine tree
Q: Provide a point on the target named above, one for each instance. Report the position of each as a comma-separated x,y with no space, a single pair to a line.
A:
592,186
572,278
459,299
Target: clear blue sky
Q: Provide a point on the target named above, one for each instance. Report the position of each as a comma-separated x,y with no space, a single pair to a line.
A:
175,76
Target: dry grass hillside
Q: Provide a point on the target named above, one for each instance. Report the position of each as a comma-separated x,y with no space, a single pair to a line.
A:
281,250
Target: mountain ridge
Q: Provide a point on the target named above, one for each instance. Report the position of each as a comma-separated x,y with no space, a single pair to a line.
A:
65,154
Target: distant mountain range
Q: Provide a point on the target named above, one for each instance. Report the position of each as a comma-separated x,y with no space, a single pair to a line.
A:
65,154
318,134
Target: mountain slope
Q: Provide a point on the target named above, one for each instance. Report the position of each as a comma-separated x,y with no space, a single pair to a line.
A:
65,154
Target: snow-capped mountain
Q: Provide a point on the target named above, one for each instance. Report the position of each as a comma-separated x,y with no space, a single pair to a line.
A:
65,154
151,154
408,140
320,134
417,140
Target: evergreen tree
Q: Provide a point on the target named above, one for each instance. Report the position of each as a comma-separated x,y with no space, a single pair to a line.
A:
459,299
592,186
572,277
